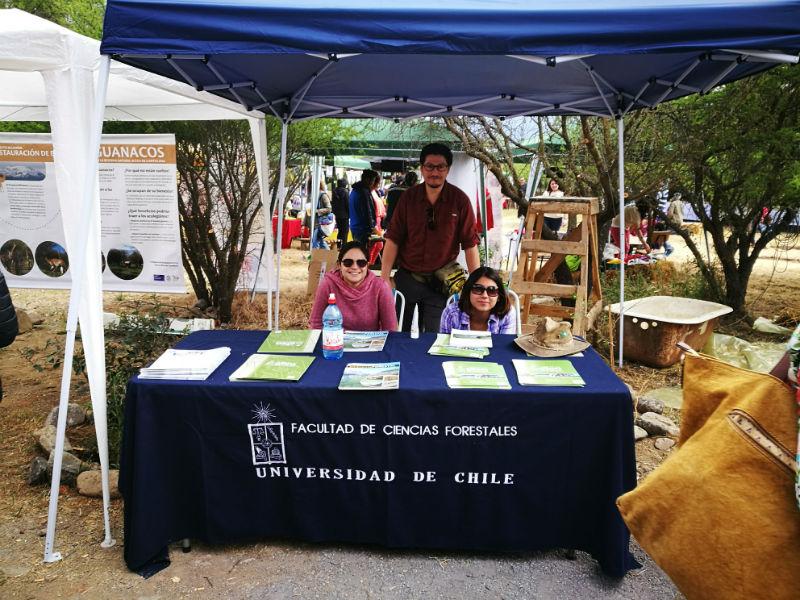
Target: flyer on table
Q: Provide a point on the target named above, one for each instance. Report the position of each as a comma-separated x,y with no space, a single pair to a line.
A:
139,234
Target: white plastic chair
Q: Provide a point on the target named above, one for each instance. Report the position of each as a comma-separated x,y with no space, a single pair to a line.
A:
399,294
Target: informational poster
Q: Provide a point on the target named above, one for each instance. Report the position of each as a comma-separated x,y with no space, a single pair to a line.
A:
140,236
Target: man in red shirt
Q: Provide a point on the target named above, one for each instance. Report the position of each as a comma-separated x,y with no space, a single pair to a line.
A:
430,223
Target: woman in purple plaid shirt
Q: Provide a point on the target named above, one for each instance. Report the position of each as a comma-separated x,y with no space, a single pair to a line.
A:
482,306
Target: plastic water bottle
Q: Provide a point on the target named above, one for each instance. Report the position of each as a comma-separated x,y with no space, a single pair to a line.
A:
332,332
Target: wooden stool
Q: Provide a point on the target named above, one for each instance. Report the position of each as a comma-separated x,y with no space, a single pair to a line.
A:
305,243
530,278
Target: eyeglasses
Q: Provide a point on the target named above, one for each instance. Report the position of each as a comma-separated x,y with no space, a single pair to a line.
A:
441,167
478,290
348,262
431,217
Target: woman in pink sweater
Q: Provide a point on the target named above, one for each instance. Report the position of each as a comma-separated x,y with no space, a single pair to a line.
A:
366,302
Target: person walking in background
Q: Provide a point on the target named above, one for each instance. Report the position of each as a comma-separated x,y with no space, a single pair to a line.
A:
633,224
341,210
324,224
553,220
362,207
394,193
430,223
377,199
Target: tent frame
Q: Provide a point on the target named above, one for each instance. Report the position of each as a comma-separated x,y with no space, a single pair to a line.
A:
618,103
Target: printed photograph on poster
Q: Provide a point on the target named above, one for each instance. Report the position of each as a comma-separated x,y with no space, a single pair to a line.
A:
140,235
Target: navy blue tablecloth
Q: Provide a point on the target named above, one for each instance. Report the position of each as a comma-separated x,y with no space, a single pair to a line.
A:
424,466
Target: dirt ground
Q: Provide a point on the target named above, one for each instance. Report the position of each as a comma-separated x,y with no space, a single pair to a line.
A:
87,570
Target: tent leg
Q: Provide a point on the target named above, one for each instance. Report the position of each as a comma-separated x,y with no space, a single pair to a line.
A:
622,252
484,216
258,133
281,202
78,266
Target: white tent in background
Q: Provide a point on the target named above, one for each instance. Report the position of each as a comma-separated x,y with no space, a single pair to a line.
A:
49,73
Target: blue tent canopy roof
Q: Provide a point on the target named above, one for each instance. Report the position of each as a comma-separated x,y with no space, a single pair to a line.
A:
303,58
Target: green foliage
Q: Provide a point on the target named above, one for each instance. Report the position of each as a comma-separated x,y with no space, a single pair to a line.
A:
82,16
642,281
136,341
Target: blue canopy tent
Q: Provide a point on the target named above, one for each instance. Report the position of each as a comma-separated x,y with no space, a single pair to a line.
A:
404,59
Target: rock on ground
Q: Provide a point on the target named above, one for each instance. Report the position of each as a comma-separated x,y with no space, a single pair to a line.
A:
90,483
664,443
46,437
25,323
656,424
76,415
646,404
37,472
71,465
639,433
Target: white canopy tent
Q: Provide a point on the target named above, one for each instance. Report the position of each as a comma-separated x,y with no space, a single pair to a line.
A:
49,73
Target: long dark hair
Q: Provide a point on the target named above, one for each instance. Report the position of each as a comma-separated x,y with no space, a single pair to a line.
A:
501,308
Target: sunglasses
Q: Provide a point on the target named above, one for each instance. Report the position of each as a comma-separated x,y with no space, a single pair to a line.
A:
431,217
360,263
431,167
491,291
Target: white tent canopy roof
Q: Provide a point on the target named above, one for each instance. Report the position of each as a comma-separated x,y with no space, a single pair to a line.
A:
29,44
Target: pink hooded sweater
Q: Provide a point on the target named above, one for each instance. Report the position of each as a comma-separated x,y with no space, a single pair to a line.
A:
368,307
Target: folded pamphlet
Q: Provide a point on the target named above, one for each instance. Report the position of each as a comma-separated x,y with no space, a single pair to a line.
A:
442,347
272,367
290,341
371,376
466,338
364,341
547,372
484,375
185,364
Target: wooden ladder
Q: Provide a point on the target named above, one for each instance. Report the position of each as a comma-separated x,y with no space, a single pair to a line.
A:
531,280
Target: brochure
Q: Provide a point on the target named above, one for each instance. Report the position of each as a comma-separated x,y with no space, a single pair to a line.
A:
547,372
487,375
442,347
272,367
364,341
291,341
186,364
371,376
466,338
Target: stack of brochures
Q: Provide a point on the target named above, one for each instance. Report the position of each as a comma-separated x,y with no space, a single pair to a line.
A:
466,338
547,372
364,341
371,376
484,375
185,364
272,367
443,347
291,341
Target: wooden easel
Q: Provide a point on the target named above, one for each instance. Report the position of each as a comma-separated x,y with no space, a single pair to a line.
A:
531,280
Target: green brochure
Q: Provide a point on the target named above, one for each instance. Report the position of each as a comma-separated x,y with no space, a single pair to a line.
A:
442,347
486,375
291,341
371,376
547,372
272,367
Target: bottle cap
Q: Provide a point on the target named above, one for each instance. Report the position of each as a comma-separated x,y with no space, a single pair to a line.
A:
332,298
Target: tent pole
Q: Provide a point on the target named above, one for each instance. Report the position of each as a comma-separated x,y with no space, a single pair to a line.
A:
258,133
622,251
78,266
281,201
484,216
313,197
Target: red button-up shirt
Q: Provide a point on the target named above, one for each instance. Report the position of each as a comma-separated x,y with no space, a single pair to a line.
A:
422,249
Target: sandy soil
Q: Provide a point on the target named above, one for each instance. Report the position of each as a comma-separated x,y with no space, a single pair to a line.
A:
87,570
